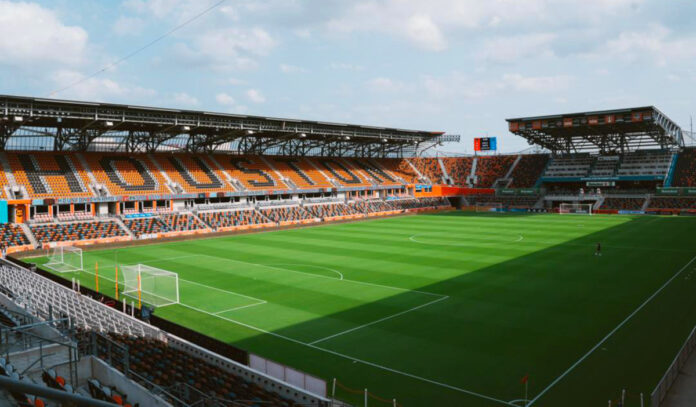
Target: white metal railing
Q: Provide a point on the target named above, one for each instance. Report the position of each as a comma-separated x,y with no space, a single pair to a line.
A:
662,388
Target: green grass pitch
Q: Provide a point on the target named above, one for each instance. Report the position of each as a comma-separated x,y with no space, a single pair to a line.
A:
448,309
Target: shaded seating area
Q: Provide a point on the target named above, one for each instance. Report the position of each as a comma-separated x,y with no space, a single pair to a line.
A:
528,170
286,214
225,219
623,203
491,168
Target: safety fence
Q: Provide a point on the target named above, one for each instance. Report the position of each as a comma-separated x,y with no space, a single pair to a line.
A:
660,392
343,392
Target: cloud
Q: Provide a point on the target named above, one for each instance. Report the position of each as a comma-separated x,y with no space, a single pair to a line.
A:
541,84
100,89
285,68
346,67
513,48
30,33
125,26
225,49
184,99
385,85
255,96
656,43
422,31
225,99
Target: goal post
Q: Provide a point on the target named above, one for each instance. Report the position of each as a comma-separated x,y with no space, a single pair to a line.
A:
575,209
65,259
150,285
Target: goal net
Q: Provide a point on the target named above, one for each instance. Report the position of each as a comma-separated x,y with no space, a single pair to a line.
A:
64,259
489,207
575,208
151,285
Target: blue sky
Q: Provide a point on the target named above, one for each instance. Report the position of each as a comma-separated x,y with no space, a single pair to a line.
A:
460,66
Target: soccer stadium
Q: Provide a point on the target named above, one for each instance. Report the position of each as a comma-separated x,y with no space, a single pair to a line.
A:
182,226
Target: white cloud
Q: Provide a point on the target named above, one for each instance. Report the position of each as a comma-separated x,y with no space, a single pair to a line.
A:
656,43
184,99
542,84
30,33
285,68
225,99
385,85
255,96
227,48
429,24
128,26
346,67
513,48
100,89
422,31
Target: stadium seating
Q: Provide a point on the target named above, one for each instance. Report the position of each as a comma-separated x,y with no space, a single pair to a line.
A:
227,219
12,235
50,175
372,171
399,167
74,231
127,174
504,201
180,222
340,171
373,206
193,173
428,167
300,172
569,166
528,170
633,204
458,169
166,366
330,210
145,226
286,214
649,163
491,168
672,203
419,203
685,170
252,172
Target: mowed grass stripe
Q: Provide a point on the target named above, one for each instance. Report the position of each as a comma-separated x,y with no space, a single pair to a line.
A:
533,306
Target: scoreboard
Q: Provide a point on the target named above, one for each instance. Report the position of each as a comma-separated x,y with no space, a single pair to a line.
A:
485,144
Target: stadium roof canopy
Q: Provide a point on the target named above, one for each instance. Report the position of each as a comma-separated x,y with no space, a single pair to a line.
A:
606,131
61,125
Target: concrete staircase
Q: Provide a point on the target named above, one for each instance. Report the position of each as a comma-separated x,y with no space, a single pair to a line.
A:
28,233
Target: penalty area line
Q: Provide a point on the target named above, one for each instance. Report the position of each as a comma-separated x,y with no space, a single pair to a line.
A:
379,320
351,358
611,333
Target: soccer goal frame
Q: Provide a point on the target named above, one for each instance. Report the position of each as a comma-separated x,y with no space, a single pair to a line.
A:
150,285
65,259
575,209
489,207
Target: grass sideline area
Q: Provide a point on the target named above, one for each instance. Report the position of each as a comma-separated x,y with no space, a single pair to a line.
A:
452,308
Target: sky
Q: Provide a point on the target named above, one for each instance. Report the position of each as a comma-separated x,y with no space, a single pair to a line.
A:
459,66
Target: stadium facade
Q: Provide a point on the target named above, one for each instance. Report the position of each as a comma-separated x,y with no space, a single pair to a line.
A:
77,174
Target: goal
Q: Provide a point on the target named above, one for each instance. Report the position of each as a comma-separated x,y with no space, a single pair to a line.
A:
575,208
65,259
150,285
489,207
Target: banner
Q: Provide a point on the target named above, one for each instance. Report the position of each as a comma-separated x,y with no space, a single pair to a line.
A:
668,191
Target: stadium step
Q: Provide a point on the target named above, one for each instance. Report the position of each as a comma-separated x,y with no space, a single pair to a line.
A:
29,235
123,226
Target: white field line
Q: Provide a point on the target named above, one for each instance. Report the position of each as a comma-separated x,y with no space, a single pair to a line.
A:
314,275
379,320
340,275
242,307
414,239
612,332
259,301
365,362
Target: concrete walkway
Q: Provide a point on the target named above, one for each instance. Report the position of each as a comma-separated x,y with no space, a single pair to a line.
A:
683,391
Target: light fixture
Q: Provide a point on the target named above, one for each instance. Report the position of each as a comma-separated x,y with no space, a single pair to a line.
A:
109,124
186,128
250,132
303,135
18,118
